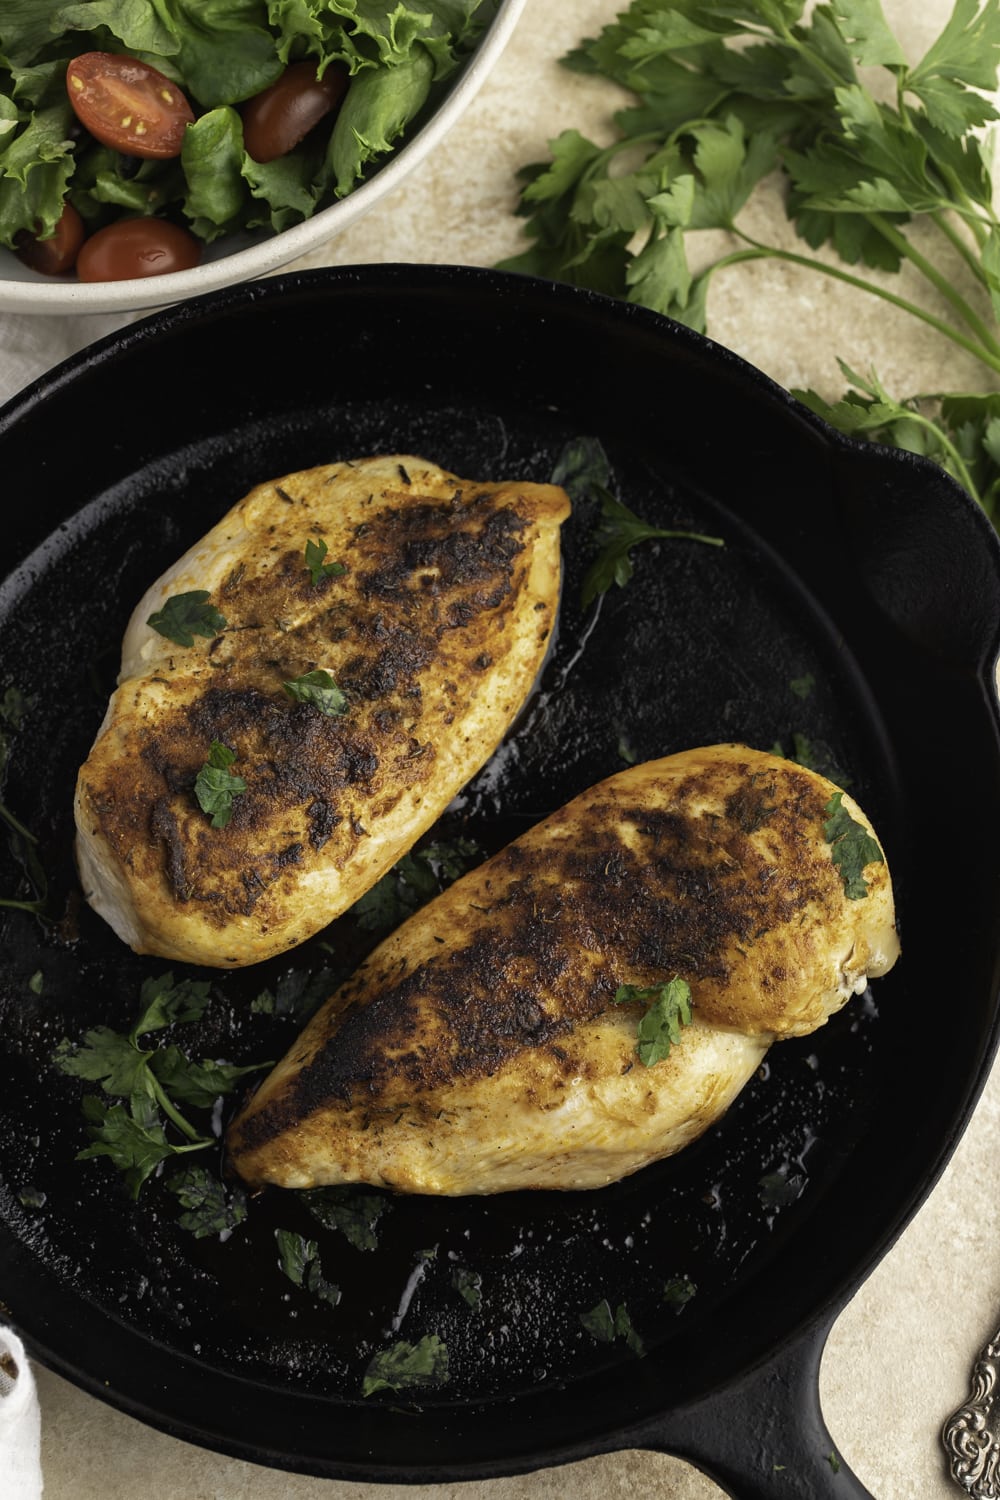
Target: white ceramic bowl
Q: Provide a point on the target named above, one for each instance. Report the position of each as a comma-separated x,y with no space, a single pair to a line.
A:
244,257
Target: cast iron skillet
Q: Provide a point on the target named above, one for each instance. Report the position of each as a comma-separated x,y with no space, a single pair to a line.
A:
852,615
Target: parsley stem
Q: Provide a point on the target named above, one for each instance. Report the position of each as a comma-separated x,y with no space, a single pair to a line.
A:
34,907
942,223
960,468
985,356
17,826
934,276
173,1113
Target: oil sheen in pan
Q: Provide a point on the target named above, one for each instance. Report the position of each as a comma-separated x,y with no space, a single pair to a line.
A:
704,644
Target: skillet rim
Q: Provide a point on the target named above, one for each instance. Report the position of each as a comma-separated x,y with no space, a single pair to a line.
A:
405,279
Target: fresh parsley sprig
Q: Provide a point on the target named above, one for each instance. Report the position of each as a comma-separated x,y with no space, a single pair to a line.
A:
154,1081
669,1008
619,530
584,471
870,147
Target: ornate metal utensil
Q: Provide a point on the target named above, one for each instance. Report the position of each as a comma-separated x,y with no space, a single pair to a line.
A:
971,1435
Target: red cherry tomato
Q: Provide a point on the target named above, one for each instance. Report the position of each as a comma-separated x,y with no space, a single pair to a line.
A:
58,252
137,247
275,120
127,105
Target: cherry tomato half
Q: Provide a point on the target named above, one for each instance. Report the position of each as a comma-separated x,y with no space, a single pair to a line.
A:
58,252
127,105
275,120
137,247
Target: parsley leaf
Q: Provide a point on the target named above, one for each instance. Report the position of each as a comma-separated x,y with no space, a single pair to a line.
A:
607,1326
198,1084
297,994
678,1291
319,569
299,1259
184,616
582,468
133,1138
778,1189
355,1214
660,1028
105,1057
211,1209
412,881
162,1003
618,532
853,847
319,689
469,1285
404,1366
215,786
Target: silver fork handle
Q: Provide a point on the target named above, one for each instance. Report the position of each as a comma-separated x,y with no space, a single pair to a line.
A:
971,1435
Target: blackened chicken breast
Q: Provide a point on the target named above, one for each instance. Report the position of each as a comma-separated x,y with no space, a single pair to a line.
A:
492,1042
382,623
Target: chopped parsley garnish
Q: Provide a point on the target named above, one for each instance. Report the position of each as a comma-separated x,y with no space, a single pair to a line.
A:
852,847
184,616
216,786
411,882
660,1028
355,1214
815,755
319,569
582,468
779,1189
319,689
405,1366
469,1285
211,1209
299,1259
607,1326
150,1127
296,995
678,1291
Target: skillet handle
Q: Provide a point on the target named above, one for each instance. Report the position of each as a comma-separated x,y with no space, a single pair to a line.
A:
763,1437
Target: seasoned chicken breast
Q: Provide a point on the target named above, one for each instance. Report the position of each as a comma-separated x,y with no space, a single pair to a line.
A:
500,1038
332,662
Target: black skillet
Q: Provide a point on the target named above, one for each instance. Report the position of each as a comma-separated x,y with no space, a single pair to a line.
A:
852,616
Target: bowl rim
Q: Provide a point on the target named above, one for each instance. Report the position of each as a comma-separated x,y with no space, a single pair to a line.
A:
145,294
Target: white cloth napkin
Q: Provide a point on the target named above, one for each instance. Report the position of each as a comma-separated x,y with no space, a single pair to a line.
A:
31,345
20,1423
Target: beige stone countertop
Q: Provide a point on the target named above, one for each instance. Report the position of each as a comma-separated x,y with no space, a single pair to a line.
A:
900,1356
